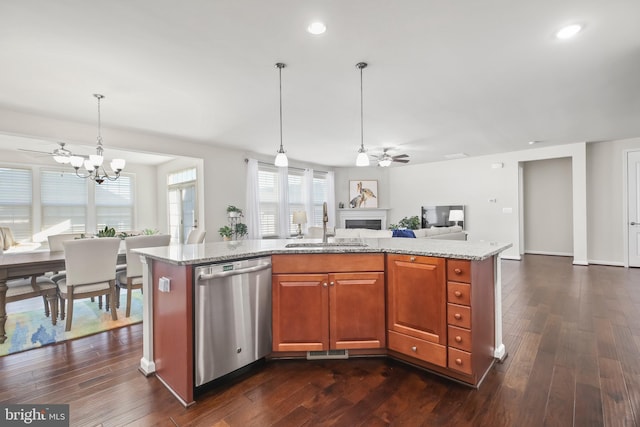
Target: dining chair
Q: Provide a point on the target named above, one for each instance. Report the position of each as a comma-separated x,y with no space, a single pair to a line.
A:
90,266
35,286
131,277
55,240
195,236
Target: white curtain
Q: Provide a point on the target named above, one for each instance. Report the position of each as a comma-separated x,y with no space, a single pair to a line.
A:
331,199
252,211
308,198
283,193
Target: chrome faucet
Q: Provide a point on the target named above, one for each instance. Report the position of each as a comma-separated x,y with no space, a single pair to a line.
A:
325,219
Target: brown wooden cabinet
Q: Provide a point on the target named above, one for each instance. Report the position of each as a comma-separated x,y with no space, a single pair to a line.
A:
328,301
416,307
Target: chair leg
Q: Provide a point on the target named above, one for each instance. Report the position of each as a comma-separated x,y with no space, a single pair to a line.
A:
114,314
61,302
69,312
46,306
129,292
53,303
100,302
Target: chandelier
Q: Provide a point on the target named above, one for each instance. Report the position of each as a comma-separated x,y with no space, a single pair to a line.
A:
93,165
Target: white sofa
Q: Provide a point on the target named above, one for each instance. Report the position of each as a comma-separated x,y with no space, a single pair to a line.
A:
448,233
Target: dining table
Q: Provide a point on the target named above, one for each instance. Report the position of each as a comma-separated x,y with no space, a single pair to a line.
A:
25,264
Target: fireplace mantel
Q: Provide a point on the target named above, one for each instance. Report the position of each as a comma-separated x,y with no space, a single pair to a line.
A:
362,213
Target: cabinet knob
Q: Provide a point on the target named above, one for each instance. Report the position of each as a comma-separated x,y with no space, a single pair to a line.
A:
412,259
457,271
331,283
458,338
458,362
414,349
458,294
457,316
324,284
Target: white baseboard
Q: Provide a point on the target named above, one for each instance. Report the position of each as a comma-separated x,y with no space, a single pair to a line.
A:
548,253
611,263
513,258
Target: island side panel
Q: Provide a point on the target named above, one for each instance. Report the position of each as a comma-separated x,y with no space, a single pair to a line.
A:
173,329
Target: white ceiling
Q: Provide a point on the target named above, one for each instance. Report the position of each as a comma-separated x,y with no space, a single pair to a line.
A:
444,77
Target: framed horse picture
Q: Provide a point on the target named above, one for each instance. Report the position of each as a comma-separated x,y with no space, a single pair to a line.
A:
363,194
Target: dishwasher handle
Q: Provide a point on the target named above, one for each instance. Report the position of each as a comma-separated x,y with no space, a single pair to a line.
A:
233,272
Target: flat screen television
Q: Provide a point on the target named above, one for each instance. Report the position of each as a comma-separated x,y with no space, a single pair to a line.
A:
443,216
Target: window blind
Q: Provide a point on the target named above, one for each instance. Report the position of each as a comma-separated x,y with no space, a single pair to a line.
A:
63,199
15,202
114,204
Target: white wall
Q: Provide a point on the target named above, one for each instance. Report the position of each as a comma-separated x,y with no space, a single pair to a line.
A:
548,211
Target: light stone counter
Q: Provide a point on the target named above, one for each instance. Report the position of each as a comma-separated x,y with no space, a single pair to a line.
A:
226,251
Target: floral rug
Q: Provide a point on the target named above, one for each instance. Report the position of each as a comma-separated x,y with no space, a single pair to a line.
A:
31,329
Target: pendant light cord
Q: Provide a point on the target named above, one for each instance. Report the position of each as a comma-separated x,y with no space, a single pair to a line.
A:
361,110
280,77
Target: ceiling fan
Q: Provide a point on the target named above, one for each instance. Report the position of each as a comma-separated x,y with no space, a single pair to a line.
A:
385,159
60,154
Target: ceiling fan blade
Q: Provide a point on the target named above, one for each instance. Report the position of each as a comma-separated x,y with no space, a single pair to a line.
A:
401,160
399,156
35,151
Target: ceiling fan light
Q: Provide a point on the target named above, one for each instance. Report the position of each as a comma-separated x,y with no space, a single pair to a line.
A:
61,159
384,162
362,159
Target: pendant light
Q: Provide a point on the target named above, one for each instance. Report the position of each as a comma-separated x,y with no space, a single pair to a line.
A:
362,159
281,157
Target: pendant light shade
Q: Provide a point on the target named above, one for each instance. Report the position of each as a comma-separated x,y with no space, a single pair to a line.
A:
281,157
363,158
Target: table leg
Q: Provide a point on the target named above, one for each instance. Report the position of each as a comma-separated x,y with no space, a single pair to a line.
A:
3,309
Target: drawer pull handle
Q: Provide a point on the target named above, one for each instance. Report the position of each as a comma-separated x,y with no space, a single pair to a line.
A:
458,294
457,271
324,284
458,338
331,283
457,316
459,362
412,259
414,349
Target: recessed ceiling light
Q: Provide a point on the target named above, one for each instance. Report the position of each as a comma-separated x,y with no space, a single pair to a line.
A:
456,156
533,142
317,28
568,31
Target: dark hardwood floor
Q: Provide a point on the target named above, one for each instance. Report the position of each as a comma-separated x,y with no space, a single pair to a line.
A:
572,334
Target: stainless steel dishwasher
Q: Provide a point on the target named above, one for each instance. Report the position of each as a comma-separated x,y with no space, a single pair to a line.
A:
232,316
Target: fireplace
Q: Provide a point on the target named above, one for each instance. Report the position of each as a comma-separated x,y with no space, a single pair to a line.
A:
371,224
373,219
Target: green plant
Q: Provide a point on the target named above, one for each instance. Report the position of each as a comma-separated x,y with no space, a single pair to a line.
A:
412,223
107,232
150,232
241,229
234,210
226,231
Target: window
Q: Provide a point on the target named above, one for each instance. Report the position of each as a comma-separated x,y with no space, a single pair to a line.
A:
15,202
183,203
268,176
114,204
63,197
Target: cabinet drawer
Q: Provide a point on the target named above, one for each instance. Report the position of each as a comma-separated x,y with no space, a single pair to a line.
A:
459,338
459,293
414,347
459,270
460,361
459,315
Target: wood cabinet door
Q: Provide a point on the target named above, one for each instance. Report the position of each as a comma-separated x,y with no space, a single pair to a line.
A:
300,309
356,310
416,299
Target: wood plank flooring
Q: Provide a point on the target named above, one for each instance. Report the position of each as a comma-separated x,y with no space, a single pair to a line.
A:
572,334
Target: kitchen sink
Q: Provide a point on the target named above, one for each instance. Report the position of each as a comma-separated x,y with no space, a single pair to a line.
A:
325,245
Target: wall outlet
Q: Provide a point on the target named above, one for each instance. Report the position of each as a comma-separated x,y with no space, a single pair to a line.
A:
507,210
164,284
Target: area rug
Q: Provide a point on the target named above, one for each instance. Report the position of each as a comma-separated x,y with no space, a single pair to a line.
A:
32,329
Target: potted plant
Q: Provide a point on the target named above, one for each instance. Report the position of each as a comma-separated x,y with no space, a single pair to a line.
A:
226,232
411,223
241,230
107,232
234,212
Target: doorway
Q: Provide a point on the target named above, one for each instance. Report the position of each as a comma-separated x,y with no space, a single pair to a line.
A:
183,204
633,208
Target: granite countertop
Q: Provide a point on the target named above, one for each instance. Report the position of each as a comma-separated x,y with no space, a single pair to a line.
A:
238,249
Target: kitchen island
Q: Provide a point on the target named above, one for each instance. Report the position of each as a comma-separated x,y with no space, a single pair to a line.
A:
464,276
